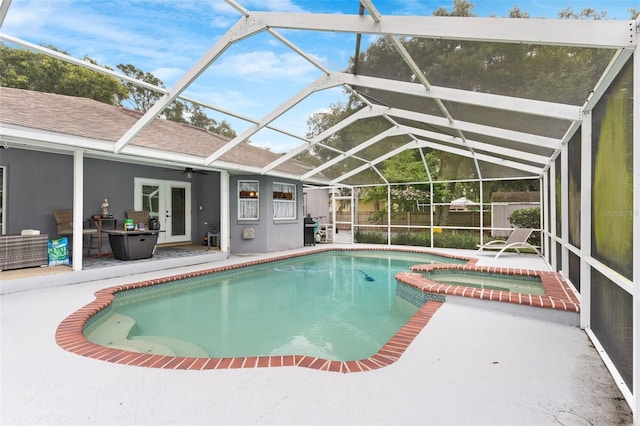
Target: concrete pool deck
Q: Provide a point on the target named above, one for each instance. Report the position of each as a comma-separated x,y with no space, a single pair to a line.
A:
476,362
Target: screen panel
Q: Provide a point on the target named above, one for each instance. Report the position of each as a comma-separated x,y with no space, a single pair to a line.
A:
612,175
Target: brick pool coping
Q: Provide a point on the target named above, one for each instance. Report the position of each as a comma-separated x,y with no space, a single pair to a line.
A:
69,334
558,295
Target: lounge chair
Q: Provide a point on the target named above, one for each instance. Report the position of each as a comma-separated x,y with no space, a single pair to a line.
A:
517,240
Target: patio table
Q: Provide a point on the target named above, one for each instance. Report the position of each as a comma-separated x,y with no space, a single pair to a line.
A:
133,245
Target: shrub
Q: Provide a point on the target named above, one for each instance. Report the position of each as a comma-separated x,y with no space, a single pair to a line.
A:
411,239
457,239
450,239
527,218
369,237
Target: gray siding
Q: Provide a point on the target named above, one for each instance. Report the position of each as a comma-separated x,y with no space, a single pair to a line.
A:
270,235
38,183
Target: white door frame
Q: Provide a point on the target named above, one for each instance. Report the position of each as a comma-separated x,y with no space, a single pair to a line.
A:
164,212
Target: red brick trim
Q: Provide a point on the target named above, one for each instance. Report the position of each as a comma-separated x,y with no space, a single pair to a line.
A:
70,337
558,294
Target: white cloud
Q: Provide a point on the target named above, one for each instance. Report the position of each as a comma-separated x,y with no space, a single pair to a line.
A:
168,75
266,65
230,100
274,145
221,7
221,21
272,5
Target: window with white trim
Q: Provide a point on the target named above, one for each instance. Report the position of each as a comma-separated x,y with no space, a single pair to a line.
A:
248,197
284,201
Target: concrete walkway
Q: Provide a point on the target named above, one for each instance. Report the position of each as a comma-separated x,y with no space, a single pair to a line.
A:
476,362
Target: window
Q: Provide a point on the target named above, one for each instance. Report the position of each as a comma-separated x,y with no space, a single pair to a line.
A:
284,201
248,200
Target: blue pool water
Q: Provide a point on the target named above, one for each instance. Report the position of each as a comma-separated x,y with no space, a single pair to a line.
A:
338,305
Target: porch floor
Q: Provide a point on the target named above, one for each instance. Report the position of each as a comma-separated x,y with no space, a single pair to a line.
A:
475,362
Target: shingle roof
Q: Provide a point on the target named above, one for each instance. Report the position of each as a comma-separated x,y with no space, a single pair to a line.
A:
96,120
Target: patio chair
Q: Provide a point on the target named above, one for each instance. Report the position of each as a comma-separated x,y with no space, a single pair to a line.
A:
516,241
213,235
139,216
64,223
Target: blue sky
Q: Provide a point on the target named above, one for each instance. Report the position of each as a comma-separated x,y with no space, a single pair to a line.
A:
165,37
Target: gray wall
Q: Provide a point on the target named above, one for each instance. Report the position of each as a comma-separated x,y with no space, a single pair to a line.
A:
271,235
38,183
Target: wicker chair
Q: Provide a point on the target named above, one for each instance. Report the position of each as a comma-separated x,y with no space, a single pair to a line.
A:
64,222
139,216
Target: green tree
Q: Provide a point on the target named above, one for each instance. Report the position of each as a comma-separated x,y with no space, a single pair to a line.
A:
460,8
176,111
199,118
223,128
24,69
550,73
141,98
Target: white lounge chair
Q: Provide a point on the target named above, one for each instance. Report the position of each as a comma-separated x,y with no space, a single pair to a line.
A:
517,240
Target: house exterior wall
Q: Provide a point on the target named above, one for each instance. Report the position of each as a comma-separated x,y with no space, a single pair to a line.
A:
39,182
270,235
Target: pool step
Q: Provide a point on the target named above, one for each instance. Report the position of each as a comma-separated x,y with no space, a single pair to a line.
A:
179,347
114,333
115,328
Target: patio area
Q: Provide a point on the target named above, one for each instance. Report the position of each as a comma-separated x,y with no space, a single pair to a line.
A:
475,362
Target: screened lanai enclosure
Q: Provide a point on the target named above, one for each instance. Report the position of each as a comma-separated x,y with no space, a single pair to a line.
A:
422,130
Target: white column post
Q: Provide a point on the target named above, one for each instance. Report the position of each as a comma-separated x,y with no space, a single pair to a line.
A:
225,213
564,208
78,207
543,222
636,235
552,216
431,206
354,200
545,217
388,213
334,207
585,221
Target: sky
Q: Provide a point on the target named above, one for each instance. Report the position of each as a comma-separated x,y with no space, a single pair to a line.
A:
251,78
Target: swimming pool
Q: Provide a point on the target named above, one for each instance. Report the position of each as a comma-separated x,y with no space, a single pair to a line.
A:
428,296
334,305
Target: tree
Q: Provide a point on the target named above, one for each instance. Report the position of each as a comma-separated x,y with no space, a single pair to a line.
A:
587,13
24,69
460,8
176,111
223,128
141,98
199,118
540,72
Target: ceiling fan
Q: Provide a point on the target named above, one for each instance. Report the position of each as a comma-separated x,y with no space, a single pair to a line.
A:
189,172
